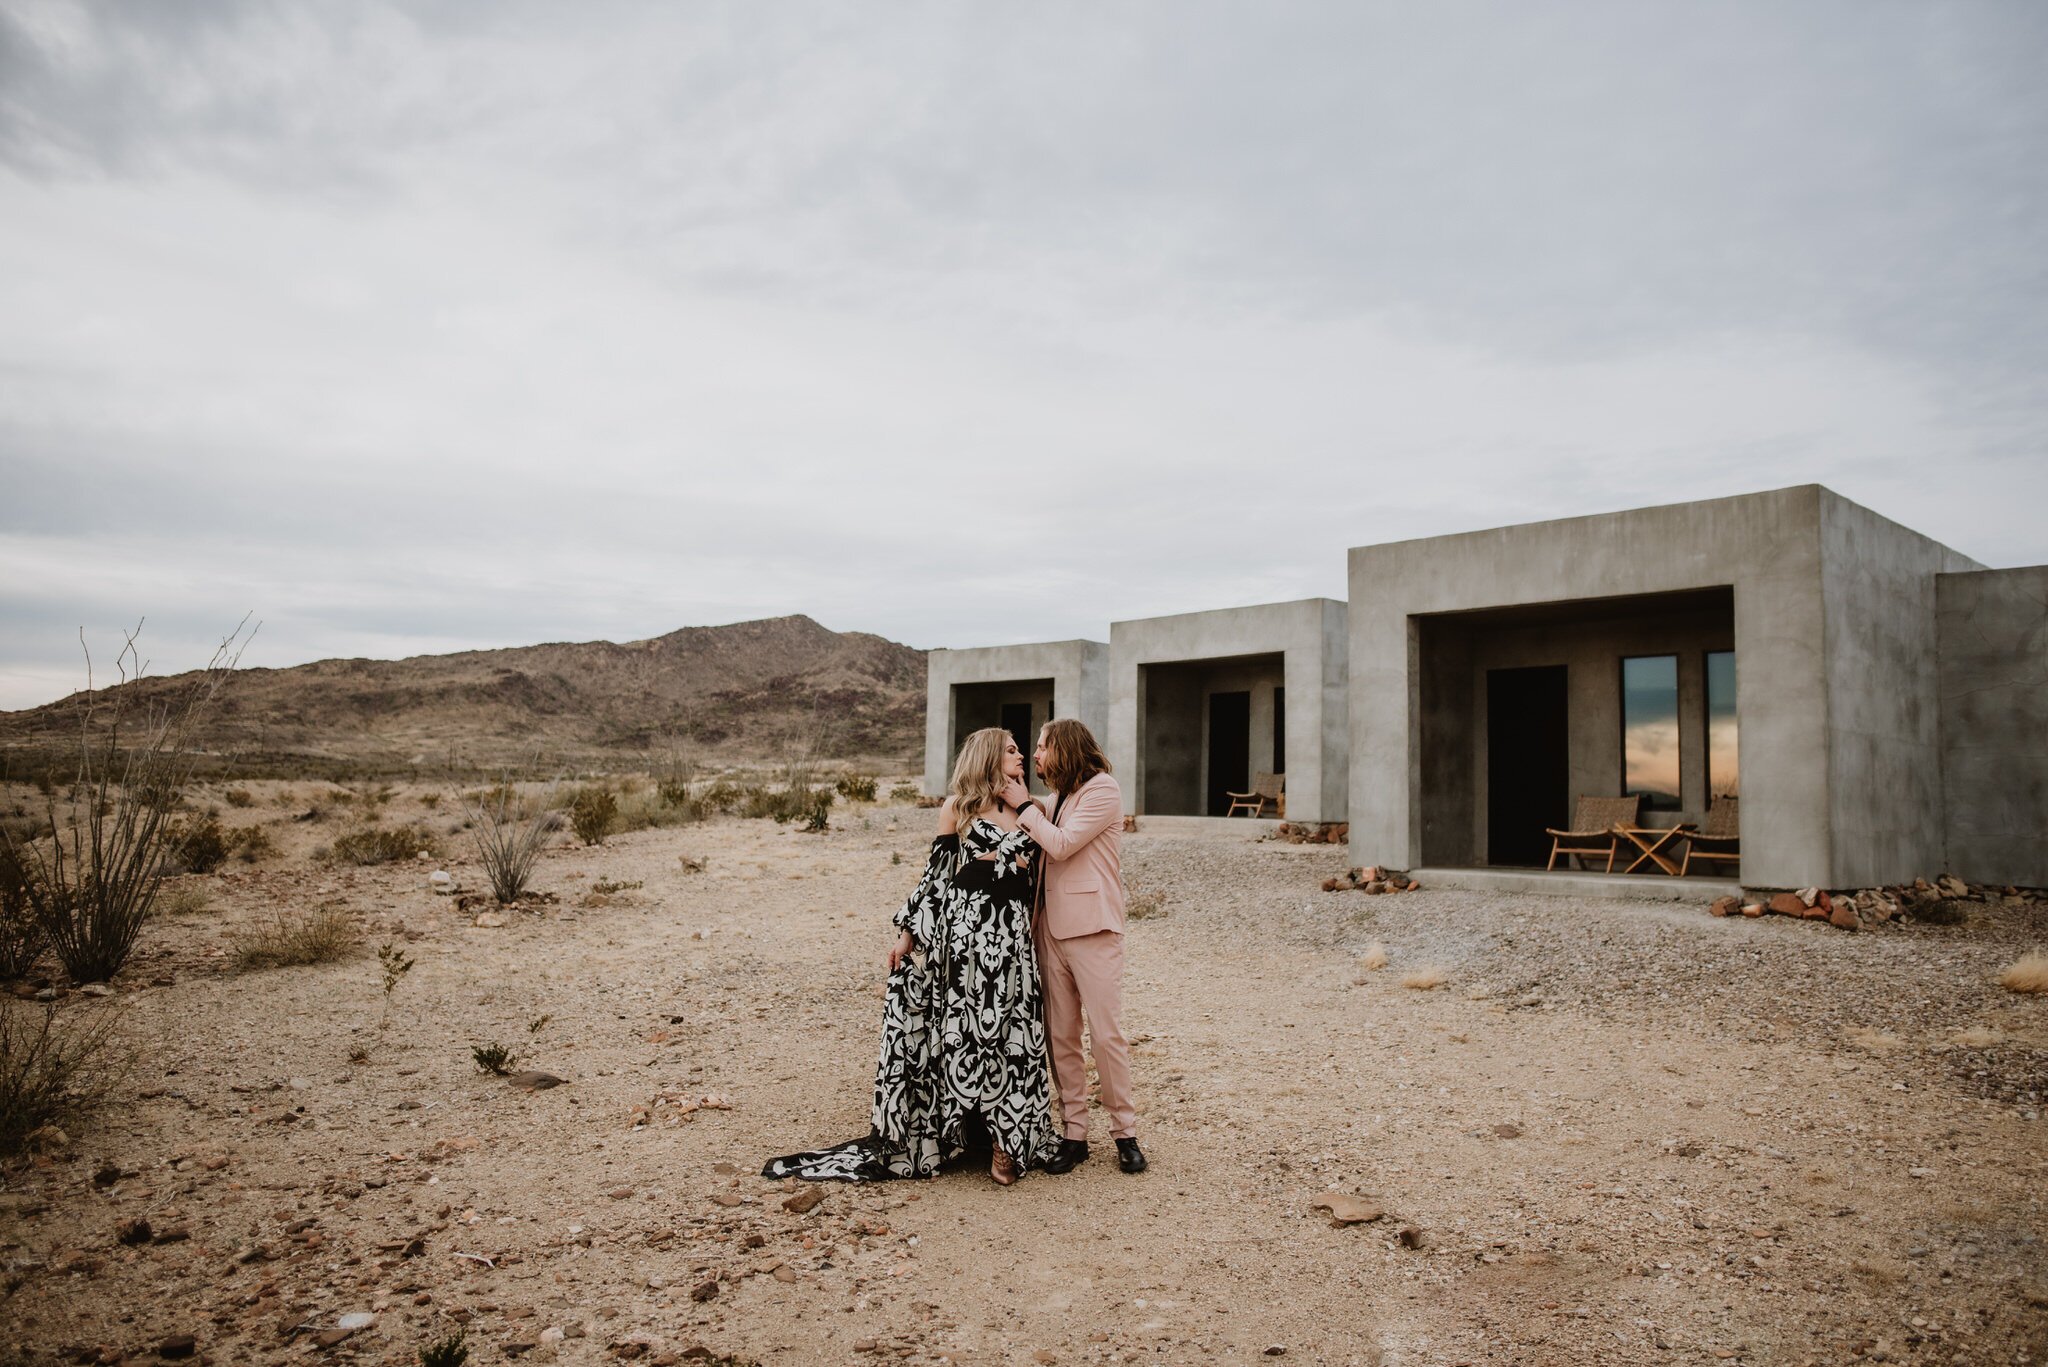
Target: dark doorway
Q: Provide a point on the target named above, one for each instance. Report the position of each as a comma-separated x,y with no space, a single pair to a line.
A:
1279,730
1527,783
1017,721
1230,748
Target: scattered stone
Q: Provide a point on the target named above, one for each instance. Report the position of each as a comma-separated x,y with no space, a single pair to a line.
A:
135,1231
805,1201
441,881
690,865
488,920
531,1081
1725,906
1787,904
785,1273
1276,1350
1347,1209
1752,909
1507,1130
705,1290
1409,1237
95,990
1843,917
178,1346
176,1234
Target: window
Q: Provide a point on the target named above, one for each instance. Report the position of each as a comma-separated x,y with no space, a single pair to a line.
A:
1723,773
1649,729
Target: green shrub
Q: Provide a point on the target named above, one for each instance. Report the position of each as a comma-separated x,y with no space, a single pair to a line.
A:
905,791
198,844
856,787
493,1058
368,845
592,813
451,1351
509,835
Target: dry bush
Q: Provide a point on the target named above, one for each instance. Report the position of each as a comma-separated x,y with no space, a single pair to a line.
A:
1424,979
592,813
240,797
1375,957
509,834
368,845
52,1069
856,787
201,846
182,899
252,844
21,935
318,937
2028,973
905,791
92,881
1978,1037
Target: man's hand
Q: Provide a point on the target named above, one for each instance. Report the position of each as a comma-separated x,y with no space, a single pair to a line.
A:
1016,794
899,951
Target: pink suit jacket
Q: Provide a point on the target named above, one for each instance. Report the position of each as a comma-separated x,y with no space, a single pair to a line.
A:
1084,891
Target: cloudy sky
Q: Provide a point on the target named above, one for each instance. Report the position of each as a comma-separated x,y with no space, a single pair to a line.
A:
422,327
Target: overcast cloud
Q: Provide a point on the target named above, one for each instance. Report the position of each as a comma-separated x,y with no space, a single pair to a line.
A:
426,327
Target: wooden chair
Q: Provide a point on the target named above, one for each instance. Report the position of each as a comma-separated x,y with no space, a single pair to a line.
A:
1592,832
1265,788
1719,836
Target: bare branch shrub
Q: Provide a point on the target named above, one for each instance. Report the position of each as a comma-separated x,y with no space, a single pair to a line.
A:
52,1069
369,845
91,882
317,937
509,835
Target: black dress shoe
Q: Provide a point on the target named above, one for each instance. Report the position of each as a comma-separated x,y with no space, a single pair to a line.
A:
1072,1151
1129,1157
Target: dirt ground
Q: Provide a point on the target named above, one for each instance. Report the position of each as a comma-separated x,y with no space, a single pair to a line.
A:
1616,1133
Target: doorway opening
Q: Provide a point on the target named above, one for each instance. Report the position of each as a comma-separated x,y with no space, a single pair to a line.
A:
1528,754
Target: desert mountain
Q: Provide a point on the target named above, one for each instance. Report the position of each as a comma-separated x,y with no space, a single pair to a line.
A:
728,693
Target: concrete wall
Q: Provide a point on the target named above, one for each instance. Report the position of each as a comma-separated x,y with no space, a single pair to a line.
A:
1993,633
1884,705
1079,671
1766,547
1307,634
1458,651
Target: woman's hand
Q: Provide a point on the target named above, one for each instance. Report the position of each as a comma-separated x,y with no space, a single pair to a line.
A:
899,951
1016,794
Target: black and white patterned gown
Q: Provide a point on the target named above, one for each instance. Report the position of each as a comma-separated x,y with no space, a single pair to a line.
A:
963,1030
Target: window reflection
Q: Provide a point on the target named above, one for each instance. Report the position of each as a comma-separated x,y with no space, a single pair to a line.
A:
1723,774
1649,722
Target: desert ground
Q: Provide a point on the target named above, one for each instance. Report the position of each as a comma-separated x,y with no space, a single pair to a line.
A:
1615,1132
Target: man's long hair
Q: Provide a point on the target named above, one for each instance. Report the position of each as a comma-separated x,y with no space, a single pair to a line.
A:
1071,755
978,773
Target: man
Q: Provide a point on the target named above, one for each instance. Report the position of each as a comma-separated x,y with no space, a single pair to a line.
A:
1079,934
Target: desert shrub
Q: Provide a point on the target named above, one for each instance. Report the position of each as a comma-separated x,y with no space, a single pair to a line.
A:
91,884
430,800
21,937
608,887
252,844
592,813
724,796
182,899
449,1351
200,845
240,797
856,787
905,791
317,937
493,1058
50,1068
367,845
509,834
2028,973
674,792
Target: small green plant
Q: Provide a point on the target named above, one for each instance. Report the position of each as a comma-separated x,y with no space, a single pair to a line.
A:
856,787
895,856
493,1058
905,791
288,941
450,1351
592,813
199,845
369,845
394,964
607,886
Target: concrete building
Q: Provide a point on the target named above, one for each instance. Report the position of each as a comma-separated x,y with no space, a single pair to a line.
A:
1019,688
1201,702
1878,701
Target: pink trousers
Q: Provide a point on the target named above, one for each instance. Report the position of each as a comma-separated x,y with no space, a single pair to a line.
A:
1085,975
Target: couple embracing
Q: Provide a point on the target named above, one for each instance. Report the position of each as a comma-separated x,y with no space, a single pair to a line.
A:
1014,933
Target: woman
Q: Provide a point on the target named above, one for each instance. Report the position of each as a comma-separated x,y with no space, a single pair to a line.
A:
962,1033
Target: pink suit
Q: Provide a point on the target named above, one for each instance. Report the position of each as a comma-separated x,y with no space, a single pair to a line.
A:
1080,939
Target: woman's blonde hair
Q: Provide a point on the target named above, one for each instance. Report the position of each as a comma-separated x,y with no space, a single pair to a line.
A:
978,773
1071,755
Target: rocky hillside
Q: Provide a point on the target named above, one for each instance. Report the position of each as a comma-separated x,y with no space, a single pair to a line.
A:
730,694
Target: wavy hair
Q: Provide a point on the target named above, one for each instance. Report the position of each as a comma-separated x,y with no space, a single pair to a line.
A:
978,773
1071,755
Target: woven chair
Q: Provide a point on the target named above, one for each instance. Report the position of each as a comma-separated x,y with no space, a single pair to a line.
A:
1265,788
1719,837
1592,832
